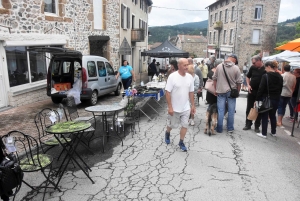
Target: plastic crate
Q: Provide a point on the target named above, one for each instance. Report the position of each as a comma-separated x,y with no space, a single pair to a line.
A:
62,86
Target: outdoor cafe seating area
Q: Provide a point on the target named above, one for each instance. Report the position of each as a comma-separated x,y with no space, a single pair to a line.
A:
66,140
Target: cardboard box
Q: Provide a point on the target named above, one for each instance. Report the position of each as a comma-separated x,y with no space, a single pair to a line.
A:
62,86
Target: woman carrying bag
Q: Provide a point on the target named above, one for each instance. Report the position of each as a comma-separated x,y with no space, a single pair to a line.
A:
270,88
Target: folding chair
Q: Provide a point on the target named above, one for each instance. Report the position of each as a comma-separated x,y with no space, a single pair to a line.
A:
30,158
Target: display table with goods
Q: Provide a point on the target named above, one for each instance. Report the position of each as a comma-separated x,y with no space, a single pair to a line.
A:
74,129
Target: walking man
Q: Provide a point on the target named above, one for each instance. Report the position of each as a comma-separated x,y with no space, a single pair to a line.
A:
223,90
180,100
253,79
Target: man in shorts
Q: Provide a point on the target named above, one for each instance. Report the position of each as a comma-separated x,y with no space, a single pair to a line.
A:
180,100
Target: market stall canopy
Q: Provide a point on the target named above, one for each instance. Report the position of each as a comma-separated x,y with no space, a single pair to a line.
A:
284,56
165,50
295,65
293,45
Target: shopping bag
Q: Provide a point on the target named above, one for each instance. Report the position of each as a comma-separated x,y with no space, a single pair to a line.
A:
252,114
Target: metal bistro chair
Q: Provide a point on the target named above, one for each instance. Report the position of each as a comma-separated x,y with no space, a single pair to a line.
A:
131,117
42,121
73,115
31,159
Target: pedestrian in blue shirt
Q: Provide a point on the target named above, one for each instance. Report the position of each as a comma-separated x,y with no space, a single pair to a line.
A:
127,74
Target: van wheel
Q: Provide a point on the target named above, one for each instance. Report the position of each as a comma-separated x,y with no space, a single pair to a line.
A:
94,98
56,100
118,90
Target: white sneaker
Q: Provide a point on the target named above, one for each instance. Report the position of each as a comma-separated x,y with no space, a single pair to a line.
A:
192,123
274,135
261,135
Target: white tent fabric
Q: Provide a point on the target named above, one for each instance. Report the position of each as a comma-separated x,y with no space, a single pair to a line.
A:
295,65
284,56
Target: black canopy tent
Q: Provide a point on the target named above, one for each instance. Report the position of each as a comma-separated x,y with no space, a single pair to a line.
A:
165,50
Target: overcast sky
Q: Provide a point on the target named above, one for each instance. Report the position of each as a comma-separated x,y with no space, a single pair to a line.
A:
289,9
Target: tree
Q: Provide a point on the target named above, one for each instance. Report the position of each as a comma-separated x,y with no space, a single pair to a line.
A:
297,30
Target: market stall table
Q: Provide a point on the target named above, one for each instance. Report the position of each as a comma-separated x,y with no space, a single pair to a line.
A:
104,110
75,130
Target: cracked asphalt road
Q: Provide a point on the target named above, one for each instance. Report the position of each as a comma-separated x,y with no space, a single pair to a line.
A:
238,166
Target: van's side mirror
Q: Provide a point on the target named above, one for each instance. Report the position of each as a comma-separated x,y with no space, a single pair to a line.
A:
116,72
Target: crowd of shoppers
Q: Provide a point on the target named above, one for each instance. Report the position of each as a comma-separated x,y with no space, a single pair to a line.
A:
261,80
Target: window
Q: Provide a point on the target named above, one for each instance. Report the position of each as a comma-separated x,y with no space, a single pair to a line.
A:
50,6
233,13
101,69
141,4
25,67
110,70
132,22
211,20
220,16
214,39
216,17
226,15
91,67
258,12
227,2
225,37
210,37
125,17
133,1
140,24
231,36
136,2
97,12
255,36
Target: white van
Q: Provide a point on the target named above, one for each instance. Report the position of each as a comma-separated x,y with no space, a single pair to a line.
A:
95,72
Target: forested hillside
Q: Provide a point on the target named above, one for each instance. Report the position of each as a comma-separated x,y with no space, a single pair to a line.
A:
286,30
160,34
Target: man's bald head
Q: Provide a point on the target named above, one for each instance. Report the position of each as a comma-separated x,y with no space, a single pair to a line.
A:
183,65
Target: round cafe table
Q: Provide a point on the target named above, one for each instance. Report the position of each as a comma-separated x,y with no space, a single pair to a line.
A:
76,130
106,111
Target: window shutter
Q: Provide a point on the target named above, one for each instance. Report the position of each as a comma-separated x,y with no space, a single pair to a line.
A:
255,36
146,29
128,18
122,16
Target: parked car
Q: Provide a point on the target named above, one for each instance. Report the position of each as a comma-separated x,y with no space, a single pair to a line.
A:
66,66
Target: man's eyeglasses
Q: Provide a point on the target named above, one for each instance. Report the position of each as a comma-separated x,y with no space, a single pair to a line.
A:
253,62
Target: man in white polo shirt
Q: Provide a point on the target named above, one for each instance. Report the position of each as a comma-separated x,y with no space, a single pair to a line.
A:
180,100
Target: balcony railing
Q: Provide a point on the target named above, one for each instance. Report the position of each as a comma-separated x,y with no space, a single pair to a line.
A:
218,25
137,35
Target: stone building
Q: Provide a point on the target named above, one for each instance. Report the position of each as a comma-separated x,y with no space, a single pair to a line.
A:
90,26
194,44
243,27
134,33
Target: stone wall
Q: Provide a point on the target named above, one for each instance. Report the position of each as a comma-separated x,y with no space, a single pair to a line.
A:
194,49
268,27
243,27
74,20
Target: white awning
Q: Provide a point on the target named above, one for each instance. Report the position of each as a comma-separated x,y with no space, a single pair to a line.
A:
33,39
211,50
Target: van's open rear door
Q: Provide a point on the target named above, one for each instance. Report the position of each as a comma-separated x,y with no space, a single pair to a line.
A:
56,51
